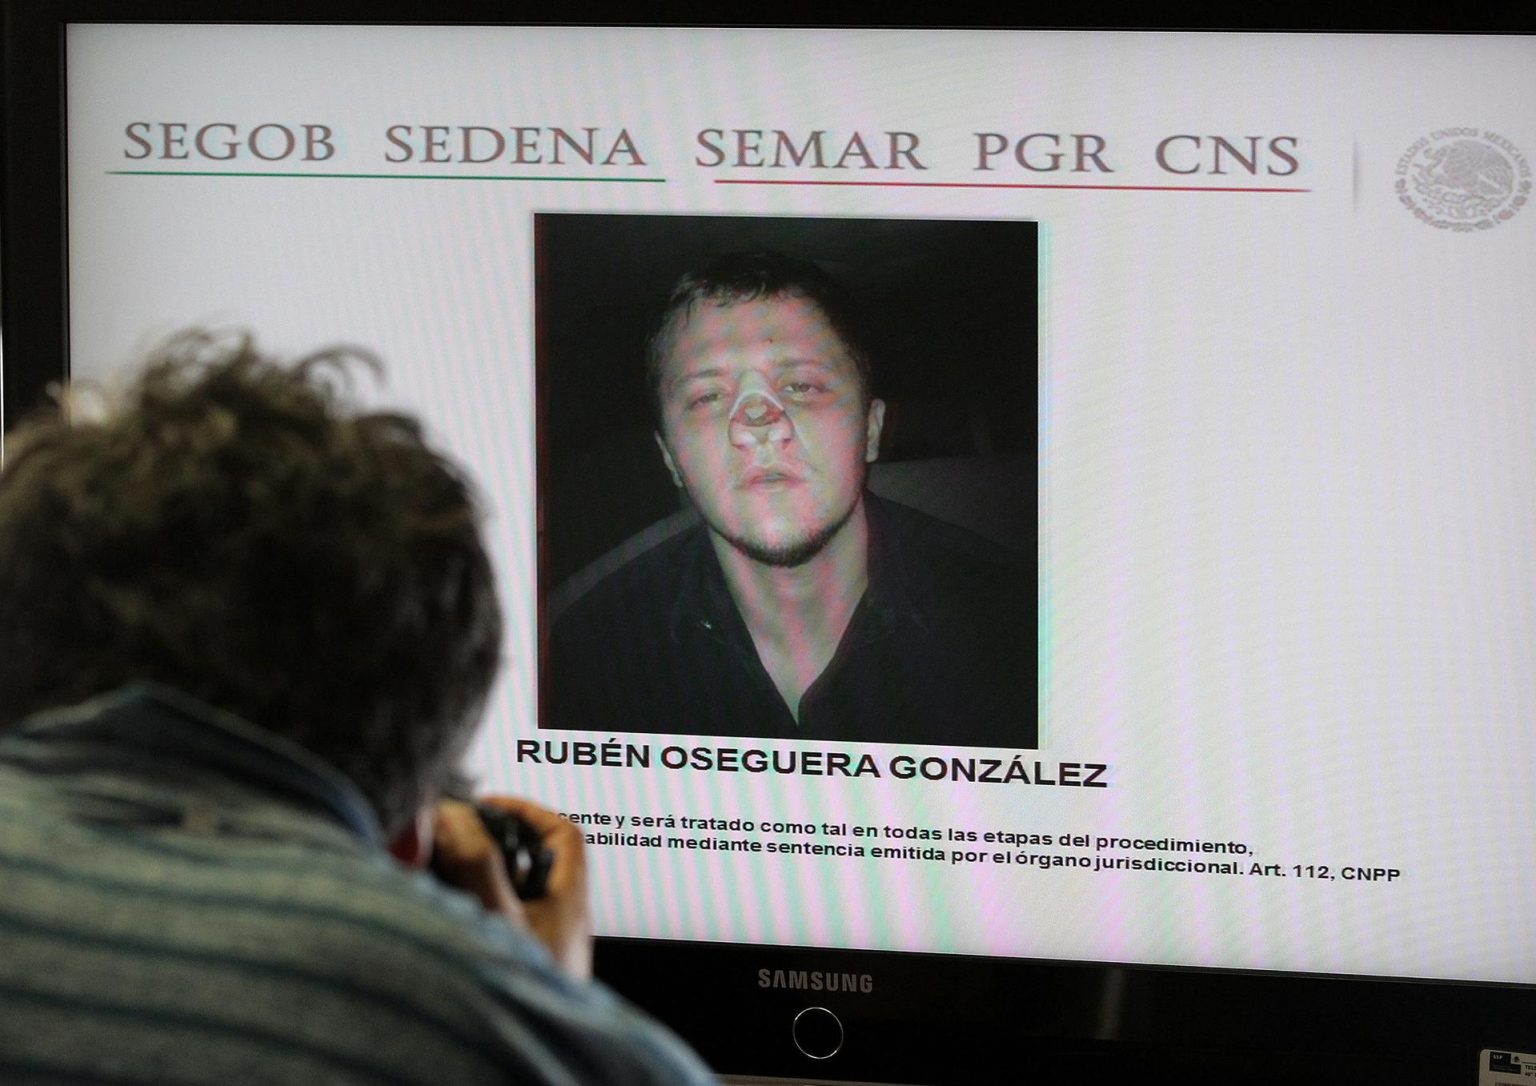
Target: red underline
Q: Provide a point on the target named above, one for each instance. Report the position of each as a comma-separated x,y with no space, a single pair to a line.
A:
1002,185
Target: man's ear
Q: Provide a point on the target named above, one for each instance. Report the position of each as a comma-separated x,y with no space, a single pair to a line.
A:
873,424
412,846
666,458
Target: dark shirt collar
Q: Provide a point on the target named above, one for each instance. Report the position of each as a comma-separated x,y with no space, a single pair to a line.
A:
149,725
704,606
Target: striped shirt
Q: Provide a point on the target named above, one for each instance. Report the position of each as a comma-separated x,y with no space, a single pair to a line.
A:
185,898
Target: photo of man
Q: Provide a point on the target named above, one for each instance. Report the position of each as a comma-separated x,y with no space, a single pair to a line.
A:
798,603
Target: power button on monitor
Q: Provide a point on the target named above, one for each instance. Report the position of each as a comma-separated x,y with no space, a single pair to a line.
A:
818,1033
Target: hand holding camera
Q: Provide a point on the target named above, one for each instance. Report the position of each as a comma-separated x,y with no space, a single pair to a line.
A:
524,863
528,860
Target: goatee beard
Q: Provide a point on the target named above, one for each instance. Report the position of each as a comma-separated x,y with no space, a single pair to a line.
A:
791,554
787,555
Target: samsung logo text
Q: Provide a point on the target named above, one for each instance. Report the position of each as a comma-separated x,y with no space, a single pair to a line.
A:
814,980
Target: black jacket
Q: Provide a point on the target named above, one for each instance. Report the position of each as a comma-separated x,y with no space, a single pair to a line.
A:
941,649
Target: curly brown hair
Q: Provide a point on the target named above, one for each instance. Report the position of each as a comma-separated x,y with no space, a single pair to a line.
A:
231,526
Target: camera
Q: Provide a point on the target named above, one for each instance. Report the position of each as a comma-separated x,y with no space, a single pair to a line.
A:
527,858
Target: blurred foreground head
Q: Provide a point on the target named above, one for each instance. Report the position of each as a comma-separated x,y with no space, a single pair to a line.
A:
232,526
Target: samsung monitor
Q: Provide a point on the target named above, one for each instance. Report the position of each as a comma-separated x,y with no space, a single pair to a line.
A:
1188,717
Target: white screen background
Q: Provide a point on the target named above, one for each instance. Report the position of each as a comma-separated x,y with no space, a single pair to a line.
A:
1288,463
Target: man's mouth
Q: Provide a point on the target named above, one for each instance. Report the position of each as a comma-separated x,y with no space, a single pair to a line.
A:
768,478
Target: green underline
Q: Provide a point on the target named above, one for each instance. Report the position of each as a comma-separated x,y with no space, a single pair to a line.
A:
390,176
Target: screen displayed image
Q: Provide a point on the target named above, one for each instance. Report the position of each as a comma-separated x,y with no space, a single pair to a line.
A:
1060,496
836,512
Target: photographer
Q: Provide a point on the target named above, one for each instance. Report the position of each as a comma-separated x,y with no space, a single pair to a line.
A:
246,633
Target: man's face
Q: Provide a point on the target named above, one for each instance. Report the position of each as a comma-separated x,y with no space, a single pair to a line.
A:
764,423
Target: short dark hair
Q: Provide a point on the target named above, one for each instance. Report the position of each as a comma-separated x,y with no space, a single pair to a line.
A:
231,526
731,278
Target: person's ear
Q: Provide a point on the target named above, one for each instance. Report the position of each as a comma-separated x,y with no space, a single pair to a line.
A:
873,424
666,458
412,846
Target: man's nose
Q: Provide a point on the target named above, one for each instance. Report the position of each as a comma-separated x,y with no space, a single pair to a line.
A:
758,418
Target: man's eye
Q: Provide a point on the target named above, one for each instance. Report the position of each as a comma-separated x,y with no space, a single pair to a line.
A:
705,399
803,388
